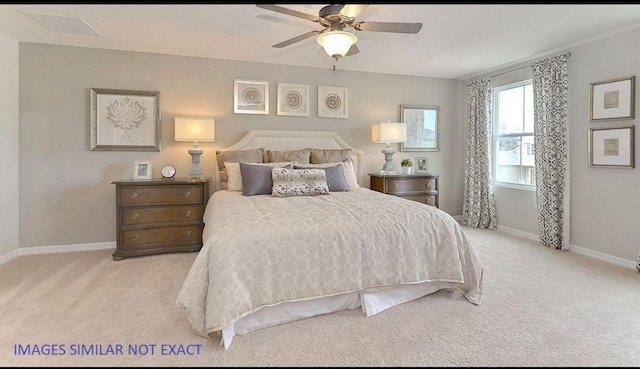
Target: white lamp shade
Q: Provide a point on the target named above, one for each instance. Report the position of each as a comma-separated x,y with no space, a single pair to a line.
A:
337,42
194,129
386,132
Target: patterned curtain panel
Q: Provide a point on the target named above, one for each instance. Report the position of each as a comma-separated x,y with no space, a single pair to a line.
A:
550,95
479,208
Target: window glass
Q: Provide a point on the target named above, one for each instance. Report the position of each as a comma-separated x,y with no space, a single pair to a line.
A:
513,141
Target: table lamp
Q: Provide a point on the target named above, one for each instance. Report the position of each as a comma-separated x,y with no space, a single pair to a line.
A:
196,130
387,132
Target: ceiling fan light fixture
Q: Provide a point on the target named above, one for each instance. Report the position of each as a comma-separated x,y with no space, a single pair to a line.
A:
337,43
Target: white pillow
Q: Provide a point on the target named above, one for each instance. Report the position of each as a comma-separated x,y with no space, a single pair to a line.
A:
234,176
347,167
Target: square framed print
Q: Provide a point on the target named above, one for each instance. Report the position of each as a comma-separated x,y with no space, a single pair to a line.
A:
124,120
612,147
422,165
423,128
333,102
250,97
293,99
612,99
142,169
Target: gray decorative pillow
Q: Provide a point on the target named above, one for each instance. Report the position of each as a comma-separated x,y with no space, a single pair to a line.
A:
298,182
302,156
240,156
329,155
336,180
256,179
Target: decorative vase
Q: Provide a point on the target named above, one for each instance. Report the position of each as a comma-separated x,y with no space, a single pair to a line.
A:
406,170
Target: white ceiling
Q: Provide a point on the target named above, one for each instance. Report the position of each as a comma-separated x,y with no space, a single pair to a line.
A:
456,41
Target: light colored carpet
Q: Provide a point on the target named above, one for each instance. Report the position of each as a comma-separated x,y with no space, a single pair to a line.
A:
541,307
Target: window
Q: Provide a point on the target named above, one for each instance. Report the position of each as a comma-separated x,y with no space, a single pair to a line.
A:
513,136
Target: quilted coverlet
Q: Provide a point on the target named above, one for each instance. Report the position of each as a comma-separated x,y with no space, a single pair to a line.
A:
262,250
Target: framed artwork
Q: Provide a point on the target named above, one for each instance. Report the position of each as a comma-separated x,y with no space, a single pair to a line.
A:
250,97
422,165
293,99
612,99
125,120
142,169
612,147
423,128
333,102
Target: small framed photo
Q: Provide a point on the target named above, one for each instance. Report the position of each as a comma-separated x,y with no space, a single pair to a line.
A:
422,165
423,128
142,169
333,102
293,99
250,97
124,120
612,99
612,147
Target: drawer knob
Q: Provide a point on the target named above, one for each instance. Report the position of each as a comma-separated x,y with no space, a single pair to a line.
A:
134,195
135,216
188,234
136,237
187,213
430,201
187,194
428,184
395,186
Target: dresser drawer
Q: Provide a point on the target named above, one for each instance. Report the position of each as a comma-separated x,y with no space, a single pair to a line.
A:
160,195
161,235
162,214
402,185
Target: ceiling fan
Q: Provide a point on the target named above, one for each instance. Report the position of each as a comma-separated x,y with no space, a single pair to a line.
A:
335,18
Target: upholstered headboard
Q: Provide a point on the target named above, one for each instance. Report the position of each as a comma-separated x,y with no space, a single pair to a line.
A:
295,140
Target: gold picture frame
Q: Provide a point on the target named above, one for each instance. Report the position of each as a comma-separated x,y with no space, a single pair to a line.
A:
125,120
612,99
612,147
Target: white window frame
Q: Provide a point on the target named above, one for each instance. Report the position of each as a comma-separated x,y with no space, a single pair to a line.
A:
494,139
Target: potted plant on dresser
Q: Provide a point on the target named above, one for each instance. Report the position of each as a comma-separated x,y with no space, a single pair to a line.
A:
407,166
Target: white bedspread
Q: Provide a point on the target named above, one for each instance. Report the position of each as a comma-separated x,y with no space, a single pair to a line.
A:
262,250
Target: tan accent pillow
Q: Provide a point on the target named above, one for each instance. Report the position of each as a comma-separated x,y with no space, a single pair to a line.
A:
240,156
347,167
302,156
329,155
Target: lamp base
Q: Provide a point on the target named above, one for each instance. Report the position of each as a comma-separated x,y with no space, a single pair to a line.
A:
196,171
388,157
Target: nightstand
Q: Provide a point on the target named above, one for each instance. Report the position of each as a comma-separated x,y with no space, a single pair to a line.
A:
418,187
159,216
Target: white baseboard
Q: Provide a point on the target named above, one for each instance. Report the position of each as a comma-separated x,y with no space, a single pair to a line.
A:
631,264
56,249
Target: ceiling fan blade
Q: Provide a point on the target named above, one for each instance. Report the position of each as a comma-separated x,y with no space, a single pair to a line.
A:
388,27
352,11
284,10
353,50
295,39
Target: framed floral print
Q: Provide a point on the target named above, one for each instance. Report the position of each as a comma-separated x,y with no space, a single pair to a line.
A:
293,99
333,102
124,120
250,97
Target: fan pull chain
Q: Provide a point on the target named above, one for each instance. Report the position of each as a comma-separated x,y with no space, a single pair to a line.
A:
334,64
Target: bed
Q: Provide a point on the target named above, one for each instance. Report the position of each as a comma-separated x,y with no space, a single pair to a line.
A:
272,258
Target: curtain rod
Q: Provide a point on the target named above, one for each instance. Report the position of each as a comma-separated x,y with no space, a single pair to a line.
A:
526,66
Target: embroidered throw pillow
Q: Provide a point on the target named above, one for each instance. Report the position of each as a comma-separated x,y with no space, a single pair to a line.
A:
335,178
298,182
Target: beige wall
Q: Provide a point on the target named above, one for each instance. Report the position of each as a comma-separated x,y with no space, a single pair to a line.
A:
66,195
604,201
9,159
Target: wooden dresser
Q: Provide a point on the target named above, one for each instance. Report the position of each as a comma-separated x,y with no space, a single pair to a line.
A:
418,187
159,216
